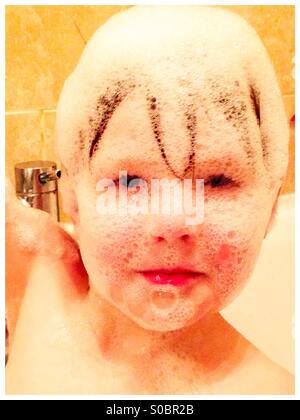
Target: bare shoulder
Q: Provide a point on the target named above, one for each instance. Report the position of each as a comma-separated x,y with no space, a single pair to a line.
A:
268,377
280,380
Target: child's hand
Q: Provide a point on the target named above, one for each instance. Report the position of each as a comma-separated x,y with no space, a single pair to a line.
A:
34,231
31,233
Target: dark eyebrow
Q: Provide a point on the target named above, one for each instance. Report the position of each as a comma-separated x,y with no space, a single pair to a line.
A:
107,105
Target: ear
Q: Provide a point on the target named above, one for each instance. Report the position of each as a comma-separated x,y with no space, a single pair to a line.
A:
272,219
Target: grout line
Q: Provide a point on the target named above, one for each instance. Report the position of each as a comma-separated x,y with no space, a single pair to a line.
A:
80,33
30,111
49,111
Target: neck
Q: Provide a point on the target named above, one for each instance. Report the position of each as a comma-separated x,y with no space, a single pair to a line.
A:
210,345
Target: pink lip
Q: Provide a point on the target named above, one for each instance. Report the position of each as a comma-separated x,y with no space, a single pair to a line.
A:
176,277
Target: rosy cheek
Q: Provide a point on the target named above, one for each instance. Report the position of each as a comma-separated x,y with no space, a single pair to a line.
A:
224,253
226,256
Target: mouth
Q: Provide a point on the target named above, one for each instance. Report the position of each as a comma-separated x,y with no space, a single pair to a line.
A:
175,277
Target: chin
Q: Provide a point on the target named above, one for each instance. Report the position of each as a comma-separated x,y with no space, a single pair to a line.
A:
161,326
167,321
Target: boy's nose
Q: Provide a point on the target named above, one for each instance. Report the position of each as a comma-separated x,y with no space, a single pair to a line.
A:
172,229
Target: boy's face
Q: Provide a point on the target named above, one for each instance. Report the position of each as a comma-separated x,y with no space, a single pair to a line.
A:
123,253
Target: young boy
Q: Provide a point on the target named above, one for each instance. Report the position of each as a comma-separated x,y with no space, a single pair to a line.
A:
132,305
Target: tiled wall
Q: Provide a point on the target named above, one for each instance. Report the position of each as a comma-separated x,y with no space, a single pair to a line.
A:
43,44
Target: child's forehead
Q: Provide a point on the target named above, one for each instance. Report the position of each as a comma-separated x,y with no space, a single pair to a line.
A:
136,119
135,112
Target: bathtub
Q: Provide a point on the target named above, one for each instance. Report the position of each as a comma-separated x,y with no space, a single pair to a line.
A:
264,311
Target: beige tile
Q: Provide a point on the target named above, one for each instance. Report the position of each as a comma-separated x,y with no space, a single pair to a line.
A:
42,48
23,140
276,27
49,152
48,133
289,186
43,45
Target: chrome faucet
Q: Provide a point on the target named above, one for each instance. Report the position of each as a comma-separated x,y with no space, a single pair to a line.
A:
36,185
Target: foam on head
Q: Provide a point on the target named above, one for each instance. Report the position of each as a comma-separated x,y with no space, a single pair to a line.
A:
188,58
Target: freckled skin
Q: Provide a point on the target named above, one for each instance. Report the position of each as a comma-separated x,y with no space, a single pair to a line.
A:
205,249
108,336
